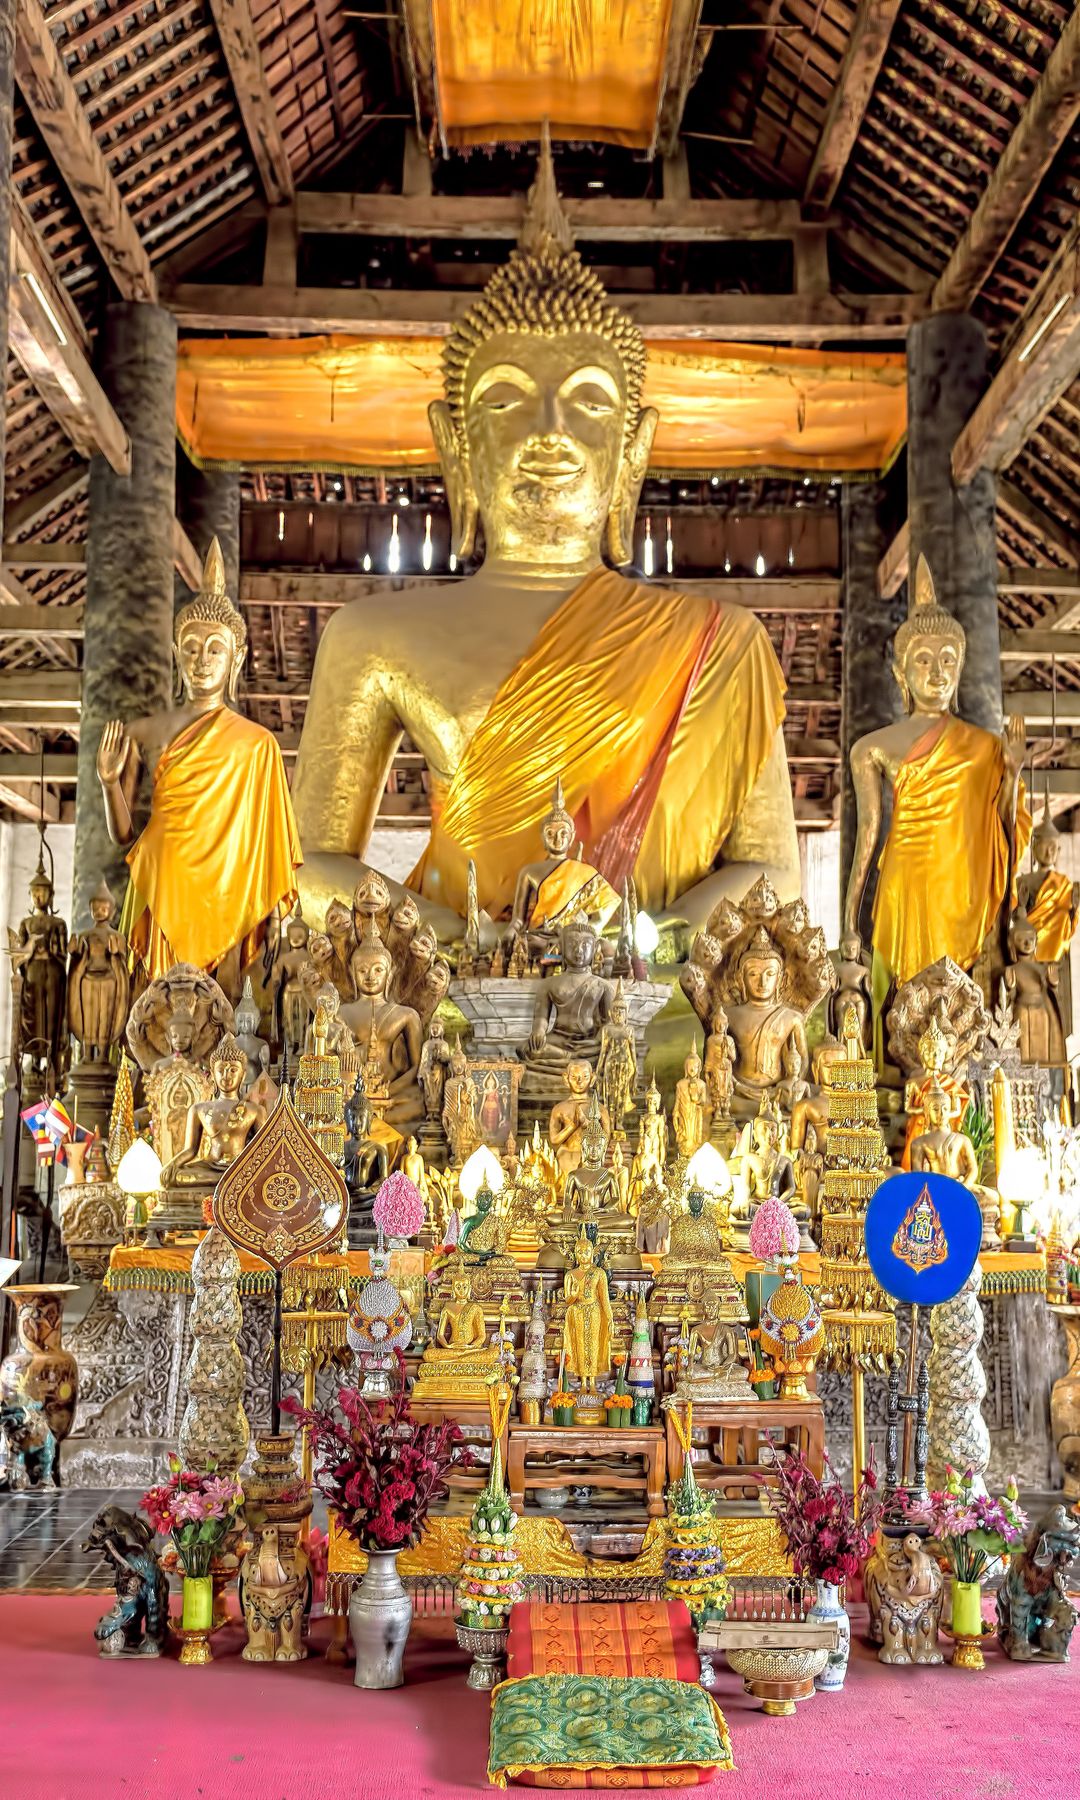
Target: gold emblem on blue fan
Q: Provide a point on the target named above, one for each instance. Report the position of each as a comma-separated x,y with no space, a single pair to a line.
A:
920,1240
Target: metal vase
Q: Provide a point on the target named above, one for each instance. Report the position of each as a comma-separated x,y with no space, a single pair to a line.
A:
380,1618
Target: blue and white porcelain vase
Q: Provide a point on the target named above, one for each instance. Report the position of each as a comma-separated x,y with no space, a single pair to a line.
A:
827,1610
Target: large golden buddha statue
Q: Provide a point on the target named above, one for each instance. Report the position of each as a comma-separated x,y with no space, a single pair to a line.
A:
220,852
958,810
662,711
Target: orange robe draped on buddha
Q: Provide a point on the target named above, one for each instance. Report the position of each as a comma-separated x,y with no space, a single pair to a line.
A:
657,709
1051,915
943,870
221,849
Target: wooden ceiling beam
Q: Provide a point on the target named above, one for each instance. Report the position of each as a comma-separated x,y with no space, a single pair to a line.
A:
37,555
51,346
240,47
868,41
1037,705
61,770
1038,522
1043,360
24,514
45,687
1044,125
30,806
893,567
288,587
31,620
61,118
453,216
754,318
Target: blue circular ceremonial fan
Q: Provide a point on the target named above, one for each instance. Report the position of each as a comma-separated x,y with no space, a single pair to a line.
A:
922,1237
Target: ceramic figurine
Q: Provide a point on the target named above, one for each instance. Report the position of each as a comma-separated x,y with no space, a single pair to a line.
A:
30,1445
137,1623
904,1591
1035,1615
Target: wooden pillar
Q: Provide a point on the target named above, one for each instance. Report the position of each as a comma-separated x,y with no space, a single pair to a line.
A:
954,528
7,103
869,695
208,505
127,649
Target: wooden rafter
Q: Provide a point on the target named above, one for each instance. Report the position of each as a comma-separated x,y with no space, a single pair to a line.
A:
450,216
1043,361
240,47
62,120
1045,123
867,44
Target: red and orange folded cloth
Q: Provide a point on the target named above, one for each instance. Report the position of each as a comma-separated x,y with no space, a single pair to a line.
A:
604,1696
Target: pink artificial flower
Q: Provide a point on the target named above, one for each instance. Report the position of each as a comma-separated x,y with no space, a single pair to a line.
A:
774,1231
399,1207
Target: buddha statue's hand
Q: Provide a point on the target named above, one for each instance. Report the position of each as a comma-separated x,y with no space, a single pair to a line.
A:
112,753
1014,742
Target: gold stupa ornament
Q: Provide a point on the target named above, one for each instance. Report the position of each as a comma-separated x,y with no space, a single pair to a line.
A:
282,1198
920,1239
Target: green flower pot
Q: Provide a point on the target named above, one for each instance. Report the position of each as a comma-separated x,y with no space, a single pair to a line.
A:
562,1415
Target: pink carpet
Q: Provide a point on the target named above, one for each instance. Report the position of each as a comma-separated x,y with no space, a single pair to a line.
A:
75,1728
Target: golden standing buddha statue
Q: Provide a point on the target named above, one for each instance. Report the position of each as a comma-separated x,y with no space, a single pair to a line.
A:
661,710
555,889
220,853
690,1113
588,1327
1048,898
958,808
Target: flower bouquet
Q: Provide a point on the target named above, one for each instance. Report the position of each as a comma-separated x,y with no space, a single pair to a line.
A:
968,1532
562,1407
619,1405
774,1232
398,1210
197,1511
829,1536
376,1466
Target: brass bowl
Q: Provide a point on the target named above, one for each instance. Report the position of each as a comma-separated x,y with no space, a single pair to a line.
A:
778,1678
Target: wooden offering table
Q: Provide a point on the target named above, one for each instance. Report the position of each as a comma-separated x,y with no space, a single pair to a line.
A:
585,1453
470,1415
733,1431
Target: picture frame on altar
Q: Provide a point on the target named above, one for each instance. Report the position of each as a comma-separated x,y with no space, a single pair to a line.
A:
497,1080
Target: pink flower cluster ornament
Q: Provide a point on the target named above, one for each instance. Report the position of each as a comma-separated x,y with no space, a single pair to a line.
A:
398,1210
197,1510
774,1231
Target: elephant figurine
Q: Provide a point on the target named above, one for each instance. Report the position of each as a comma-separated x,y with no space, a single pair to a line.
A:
1035,1615
31,1447
137,1623
274,1586
904,1591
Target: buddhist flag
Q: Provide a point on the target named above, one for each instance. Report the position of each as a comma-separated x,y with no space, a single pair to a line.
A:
33,1117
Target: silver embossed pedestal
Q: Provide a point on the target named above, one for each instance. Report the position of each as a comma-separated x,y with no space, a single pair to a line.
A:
500,1010
214,1431
959,1438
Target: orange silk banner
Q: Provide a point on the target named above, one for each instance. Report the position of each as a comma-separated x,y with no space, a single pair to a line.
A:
359,405
590,68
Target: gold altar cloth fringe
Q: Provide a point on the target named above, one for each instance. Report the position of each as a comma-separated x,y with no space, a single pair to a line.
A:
752,1546
360,405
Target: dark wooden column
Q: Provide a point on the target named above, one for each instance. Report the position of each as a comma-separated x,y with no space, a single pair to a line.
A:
208,505
127,650
870,697
7,100
954,527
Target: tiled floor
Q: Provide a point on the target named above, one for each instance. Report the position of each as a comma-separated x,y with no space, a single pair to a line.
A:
41,1536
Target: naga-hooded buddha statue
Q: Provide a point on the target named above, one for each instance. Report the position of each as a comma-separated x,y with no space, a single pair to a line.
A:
221,850
959,815
661,711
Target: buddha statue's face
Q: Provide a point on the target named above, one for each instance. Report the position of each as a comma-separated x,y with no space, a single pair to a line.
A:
544,428
584,1252
459,1062
930,673
41,894
206,654
1024,939
695,1201
460,1289
372,972
850,946
484,1200
578,1078
101,911
652,1102
181,1035
228,1073
719,1022
579,948
692,1066
620,1012
297,934
935,1107
558,835
761,977
1045,846
792,1060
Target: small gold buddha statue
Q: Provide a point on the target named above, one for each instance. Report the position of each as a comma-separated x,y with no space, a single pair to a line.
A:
710,1367
394,1030
99,986
650,1157
672,739
587,1331
38,952
217,1129
556,889
570,1116
853,974
1032,986
762,1024
591,1194
616,1068
591,1188
690,1113
220,853
720,1056
1047,897
938,1149
959,816
696,1255
459,1108
285,984
459,1363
